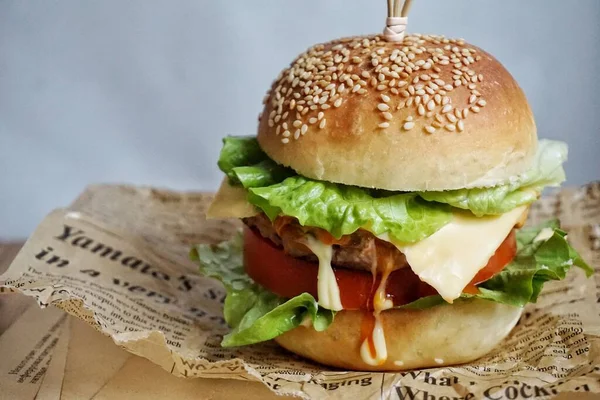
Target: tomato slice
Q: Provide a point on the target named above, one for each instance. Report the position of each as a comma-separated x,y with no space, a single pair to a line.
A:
288,276
503,255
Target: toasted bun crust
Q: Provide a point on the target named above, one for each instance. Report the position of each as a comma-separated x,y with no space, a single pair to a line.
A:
429,113
442,335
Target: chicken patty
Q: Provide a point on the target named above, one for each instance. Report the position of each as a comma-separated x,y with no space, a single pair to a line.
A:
360,250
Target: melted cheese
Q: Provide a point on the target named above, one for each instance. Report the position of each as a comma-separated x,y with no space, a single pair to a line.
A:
378,337
327,287
544,235
380,303
231,202
450,258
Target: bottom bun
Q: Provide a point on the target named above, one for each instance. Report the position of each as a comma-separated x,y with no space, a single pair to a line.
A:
441,335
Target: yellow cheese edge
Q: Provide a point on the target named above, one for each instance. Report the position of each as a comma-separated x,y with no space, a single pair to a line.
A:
230,202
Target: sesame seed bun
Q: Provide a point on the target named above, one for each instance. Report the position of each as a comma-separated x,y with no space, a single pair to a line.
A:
438,336
428,113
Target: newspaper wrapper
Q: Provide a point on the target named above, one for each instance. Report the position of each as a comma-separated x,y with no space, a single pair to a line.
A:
118,259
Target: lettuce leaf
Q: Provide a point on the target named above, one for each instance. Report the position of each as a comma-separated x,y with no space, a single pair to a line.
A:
537,262
342,209
244,162
546,171
254,314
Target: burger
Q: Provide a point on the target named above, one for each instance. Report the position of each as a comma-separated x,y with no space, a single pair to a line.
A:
383,202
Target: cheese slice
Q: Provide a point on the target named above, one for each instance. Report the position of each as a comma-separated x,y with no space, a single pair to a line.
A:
327,287
544,235
450,258
231,202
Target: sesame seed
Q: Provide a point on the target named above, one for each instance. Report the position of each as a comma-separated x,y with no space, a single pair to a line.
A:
408,125
409,118
461,125
363,65
285,140
387,115
450,117
450,127
297,134
430,129
286,133
465,113
472,99
322,124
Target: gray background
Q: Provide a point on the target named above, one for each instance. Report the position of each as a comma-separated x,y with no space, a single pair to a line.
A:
142,91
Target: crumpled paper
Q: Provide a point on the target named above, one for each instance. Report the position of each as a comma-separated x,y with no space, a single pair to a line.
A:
118,259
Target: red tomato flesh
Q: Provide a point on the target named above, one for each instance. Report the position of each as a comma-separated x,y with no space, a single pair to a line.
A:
288,277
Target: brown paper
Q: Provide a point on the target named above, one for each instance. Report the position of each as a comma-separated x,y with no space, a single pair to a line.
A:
51,386
26,349
117,258
92,361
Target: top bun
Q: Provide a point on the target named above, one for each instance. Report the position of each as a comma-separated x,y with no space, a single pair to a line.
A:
428,113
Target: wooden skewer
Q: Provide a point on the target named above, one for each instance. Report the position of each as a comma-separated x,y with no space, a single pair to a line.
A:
396,19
